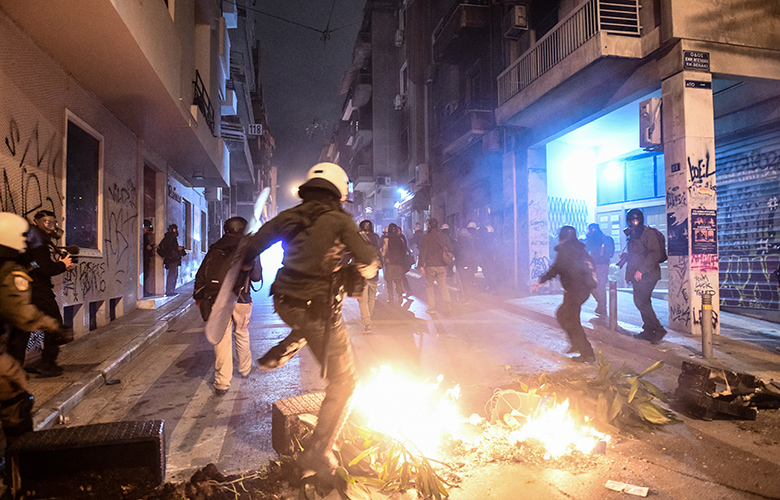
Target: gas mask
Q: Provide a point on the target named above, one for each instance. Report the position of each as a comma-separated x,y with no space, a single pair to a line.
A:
50,225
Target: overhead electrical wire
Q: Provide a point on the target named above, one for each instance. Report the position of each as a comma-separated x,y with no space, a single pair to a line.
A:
324,34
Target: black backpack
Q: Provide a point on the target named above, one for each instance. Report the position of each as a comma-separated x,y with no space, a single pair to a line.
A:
661,242
214,268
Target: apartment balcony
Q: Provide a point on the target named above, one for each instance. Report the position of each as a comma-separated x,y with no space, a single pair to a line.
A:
456,29
461,129
131,57
600,38
241,164
365,182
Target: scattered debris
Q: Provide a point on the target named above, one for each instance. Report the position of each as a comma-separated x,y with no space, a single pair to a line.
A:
640,491
707,391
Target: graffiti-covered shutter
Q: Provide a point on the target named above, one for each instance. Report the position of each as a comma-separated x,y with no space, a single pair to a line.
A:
748,179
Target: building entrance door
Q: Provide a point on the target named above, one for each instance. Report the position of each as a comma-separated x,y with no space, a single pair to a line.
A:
149,210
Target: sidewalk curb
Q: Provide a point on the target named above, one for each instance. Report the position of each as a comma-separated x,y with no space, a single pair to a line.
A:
606,336
671,353
49,415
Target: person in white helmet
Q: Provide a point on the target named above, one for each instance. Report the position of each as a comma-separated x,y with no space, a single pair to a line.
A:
317,235
17,311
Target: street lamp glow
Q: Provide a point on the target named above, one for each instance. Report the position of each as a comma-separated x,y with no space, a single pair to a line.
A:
403,192
294,190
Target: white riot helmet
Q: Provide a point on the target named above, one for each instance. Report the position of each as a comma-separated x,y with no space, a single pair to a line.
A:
13,231
328,176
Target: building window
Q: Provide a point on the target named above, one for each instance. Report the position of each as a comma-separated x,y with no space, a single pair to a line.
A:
630,179
84,156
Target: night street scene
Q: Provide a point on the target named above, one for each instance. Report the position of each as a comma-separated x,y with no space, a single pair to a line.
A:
390,249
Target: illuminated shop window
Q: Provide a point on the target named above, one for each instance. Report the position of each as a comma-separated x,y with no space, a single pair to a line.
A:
630,179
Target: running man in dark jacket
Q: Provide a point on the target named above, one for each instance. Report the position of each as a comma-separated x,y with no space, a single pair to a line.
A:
576,269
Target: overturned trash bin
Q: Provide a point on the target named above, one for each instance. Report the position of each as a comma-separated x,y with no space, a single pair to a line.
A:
707,391
47,461
286,425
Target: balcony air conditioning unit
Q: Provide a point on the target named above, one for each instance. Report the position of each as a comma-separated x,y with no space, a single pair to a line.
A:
399,101
399,38
651,137
383,180
515,21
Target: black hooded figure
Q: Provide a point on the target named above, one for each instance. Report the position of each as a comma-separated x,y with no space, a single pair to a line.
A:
575,267
643,272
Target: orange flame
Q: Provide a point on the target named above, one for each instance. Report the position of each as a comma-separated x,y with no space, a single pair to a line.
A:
423,414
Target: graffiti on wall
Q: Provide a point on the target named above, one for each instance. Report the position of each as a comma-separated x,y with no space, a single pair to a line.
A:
121,228
539,266
748,227
29,162
538,245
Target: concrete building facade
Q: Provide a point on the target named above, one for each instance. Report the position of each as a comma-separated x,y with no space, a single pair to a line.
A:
537,114
110,115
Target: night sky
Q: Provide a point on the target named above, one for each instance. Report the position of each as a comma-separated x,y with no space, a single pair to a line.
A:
301,76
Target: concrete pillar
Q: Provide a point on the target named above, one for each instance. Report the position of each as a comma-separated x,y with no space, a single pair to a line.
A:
525,189
691,203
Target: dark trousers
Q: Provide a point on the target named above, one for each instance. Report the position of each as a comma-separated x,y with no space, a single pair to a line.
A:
170,280
569,318
148,280
18,339
643,292
307,322
394,274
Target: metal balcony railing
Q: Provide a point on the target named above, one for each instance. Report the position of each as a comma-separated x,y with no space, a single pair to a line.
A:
617,17
202,101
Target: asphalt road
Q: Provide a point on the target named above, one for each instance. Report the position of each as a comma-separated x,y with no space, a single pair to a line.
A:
482,349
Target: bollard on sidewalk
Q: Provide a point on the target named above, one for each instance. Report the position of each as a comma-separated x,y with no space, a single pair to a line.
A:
613,305
706,324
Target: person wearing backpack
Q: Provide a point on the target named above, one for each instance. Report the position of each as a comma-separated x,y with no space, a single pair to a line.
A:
644,253
578,277
601,247
207,283
171,253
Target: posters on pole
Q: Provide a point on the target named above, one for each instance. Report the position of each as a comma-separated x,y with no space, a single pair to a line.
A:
704,228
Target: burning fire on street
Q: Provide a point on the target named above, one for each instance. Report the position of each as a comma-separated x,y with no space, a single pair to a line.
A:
425,415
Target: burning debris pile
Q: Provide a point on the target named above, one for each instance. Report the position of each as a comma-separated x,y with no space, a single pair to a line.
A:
405,434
